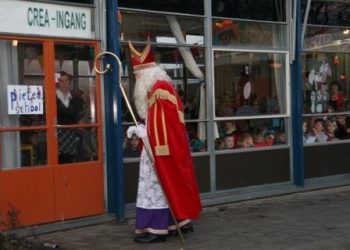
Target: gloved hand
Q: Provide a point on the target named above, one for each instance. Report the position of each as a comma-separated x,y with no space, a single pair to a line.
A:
140,131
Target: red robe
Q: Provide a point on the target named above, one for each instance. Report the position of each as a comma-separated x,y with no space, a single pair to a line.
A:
167,135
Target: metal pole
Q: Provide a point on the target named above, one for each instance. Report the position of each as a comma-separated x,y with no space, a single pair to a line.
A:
145,144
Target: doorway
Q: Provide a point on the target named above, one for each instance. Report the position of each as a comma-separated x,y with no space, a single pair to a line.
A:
51,164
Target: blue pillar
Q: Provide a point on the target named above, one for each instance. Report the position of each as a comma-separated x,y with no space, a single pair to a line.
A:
113,118
297,104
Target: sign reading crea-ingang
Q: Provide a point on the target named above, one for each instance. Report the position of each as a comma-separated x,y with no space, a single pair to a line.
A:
33,18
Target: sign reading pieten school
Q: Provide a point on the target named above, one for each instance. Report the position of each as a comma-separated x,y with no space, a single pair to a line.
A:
25,99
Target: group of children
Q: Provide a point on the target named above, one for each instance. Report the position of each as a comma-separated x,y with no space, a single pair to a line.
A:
232,138
326,129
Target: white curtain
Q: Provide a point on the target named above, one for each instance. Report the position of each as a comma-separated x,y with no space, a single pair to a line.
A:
9,141
192,66
278,58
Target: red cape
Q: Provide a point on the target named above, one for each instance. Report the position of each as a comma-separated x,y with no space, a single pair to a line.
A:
167,134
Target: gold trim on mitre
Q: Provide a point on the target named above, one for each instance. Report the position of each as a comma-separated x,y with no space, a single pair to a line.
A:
141,56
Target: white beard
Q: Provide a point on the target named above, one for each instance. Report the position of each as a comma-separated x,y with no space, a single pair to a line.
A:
143,85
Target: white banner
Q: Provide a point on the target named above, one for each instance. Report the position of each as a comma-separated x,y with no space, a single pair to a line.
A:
25,99
35,18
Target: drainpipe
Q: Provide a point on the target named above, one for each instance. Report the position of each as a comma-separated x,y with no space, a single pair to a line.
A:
297,101
113,119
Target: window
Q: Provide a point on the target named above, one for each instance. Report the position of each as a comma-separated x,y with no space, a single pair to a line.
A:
74,66
329,13
264,10
250,62
181,54
181,6
159,28
250,84
22,105
325,62
248,34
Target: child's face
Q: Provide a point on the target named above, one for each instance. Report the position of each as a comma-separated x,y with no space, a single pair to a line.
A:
221,145
334,96
318,127
248,142
258,138
341,120
283,138
134,142
229,142
331,127
334,88
229,126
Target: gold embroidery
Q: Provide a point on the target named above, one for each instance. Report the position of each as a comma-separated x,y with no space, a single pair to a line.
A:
162,150
154,124
165,132
165,95
151,230
162,94
181,117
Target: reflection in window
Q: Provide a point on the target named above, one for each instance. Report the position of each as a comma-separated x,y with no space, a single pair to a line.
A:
160,28
249,84
266,10
181,6
326,87
328,13
326,39
238,134
247,34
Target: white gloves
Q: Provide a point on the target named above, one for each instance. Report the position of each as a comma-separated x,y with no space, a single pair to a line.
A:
140,131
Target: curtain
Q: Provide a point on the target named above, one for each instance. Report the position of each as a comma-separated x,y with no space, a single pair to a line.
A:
278,77
192,66
9,141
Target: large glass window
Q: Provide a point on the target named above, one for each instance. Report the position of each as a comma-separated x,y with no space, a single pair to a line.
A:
249,84
22,105
189,87
178,43
76,103
326,68
249,34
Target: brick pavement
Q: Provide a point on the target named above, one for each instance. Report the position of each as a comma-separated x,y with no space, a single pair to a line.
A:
308,220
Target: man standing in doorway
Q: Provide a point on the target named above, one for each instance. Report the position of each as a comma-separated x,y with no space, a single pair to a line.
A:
159,105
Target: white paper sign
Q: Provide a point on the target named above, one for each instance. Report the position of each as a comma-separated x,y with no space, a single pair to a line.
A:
31,17
25,99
